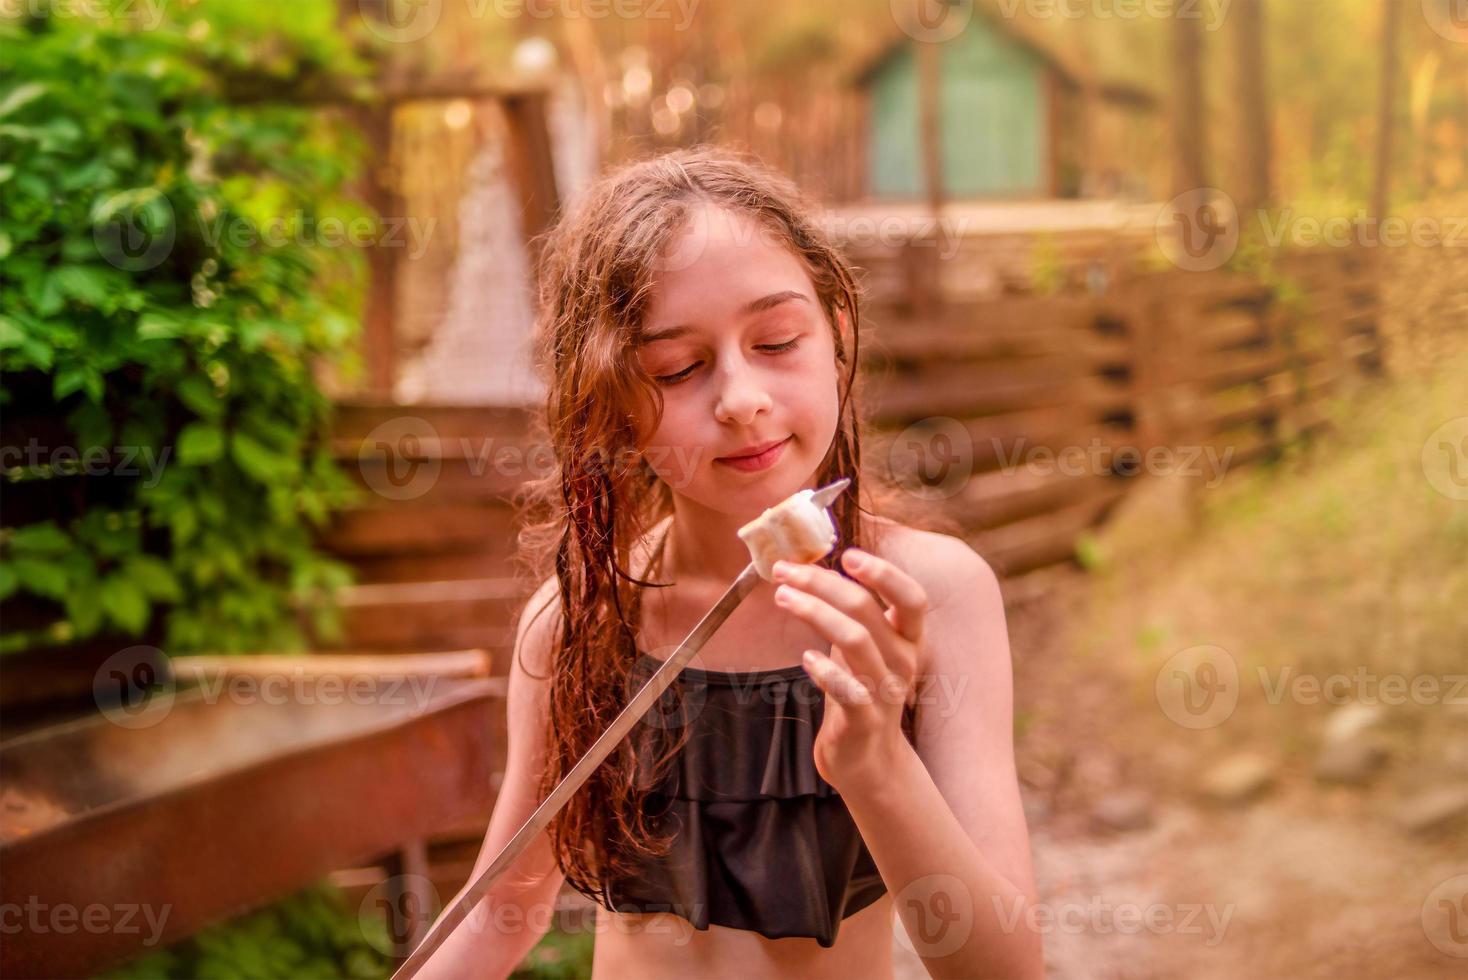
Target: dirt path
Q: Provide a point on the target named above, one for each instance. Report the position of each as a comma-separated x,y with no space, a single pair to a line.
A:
1305,881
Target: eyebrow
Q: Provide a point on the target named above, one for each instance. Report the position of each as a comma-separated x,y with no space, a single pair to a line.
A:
750,309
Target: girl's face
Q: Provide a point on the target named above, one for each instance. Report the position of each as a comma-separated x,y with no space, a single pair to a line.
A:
741,349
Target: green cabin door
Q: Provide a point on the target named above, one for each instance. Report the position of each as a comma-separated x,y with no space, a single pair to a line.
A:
992,103
896,144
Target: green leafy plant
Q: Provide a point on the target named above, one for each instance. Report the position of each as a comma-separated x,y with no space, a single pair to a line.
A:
166,290
312,935
560,955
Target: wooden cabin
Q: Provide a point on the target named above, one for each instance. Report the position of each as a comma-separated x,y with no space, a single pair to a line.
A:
1017,117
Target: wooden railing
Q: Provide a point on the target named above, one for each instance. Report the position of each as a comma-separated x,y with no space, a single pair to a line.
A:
1052,408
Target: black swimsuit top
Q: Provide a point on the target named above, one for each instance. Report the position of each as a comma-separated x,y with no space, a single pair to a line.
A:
760,841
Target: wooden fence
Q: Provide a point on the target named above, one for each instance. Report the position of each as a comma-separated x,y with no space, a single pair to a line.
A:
1050,408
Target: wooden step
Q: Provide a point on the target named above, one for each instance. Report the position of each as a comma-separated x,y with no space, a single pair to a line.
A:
1044,540
450,425
435,615
398,529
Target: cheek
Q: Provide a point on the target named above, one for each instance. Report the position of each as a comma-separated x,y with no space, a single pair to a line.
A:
674,450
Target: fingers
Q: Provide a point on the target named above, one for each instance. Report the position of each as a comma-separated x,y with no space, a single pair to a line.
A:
907,600
841,611
835,680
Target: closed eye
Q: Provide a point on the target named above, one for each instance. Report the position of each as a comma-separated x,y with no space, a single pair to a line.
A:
672,379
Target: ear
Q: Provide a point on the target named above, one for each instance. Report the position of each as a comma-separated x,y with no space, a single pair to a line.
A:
843,324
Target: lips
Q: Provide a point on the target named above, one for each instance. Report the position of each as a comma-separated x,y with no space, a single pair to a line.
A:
752,451
760,461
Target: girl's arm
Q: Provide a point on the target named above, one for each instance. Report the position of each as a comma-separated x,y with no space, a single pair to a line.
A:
945,823
518,910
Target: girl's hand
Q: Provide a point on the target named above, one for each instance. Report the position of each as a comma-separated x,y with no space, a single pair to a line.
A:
873,663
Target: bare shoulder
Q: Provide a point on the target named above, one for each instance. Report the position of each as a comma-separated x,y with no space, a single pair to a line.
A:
536,631
964,599
945,566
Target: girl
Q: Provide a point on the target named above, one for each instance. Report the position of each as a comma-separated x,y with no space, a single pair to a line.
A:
842,751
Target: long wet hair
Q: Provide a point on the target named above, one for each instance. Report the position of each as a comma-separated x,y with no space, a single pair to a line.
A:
584,519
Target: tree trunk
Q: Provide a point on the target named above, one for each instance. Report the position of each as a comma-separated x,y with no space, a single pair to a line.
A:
1189,148
1386,115
1255,139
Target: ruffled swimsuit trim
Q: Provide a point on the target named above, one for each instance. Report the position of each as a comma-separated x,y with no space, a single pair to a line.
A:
761,841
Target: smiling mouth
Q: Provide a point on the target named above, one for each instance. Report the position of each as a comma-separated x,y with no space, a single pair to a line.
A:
756,454
758,461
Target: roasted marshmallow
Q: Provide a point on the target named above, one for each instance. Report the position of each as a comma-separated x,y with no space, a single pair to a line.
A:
795,530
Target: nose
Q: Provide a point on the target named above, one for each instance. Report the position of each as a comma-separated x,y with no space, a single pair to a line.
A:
742,394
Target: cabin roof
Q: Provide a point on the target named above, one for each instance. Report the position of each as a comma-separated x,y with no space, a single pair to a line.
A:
1070,65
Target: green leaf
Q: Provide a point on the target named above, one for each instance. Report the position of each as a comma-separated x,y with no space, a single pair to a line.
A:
153,576
198,393
40,539
9,581
185,521
156,326
20,96
255,459
125,603
41,577
92,425
77,378
200,444
86,284
10,333
84,608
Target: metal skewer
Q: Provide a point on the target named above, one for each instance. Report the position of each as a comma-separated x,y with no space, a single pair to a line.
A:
600,749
